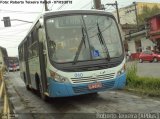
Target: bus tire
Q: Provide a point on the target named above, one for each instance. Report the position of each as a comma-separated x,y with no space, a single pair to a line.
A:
41,93
40,89
28,88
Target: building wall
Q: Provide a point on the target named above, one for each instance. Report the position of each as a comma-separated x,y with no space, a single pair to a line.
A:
140,6
131,46
127,14
147,43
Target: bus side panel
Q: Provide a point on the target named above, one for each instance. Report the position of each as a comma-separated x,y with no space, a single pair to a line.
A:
42,67
34,68
22,70
43,59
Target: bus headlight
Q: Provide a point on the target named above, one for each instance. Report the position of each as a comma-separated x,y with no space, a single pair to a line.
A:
58,77
122,70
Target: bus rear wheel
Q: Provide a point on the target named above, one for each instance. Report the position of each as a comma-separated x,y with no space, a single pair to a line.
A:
28,88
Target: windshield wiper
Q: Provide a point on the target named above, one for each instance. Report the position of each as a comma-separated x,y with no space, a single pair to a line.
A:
102,42
89,46
80,47
83,40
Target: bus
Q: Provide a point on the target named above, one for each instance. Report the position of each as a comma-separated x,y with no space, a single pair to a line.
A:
3,59
73,52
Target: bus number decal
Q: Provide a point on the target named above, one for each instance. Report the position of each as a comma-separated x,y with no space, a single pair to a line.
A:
78,75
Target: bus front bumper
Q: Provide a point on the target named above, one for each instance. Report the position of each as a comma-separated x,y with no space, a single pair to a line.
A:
56,89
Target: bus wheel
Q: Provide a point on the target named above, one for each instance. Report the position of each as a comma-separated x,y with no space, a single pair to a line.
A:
41,93
28,88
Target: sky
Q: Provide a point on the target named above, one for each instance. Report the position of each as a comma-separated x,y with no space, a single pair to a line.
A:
10,37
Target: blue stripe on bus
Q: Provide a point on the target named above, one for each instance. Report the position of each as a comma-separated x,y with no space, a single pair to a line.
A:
57,89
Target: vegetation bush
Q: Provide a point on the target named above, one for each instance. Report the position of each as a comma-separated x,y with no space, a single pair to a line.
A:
144,85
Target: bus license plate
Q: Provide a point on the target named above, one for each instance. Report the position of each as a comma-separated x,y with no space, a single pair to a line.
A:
95,85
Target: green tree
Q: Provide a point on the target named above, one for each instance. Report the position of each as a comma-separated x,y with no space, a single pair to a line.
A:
147,12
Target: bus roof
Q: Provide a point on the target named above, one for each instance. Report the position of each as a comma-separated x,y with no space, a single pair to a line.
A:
59,12
2,47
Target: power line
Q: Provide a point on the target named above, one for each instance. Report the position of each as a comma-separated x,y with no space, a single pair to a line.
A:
85,5
108,8
24,12
116,6
60,6
51,7
13,26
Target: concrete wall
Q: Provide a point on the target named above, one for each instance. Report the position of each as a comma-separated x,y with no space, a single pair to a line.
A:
145,43
127,15
131,46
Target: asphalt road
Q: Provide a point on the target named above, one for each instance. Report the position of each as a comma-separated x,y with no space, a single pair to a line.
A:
28,105
147,69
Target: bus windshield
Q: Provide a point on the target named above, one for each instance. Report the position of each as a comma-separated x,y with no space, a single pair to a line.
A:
77,38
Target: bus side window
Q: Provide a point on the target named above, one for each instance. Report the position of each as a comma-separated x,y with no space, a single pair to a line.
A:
35,42
29,46
35,49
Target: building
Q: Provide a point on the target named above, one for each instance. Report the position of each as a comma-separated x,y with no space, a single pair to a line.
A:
154,30
128,14
138,42
136,39
3,58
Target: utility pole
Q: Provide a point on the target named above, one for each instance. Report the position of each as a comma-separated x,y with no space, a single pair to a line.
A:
98,5
135,6
7,21
45,5
117,11
115,4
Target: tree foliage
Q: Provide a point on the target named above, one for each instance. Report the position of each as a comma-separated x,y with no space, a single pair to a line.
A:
147,12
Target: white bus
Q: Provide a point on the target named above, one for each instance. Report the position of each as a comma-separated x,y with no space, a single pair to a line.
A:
74,52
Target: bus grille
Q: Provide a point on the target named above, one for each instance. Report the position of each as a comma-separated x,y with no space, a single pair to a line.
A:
93,79
85,89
